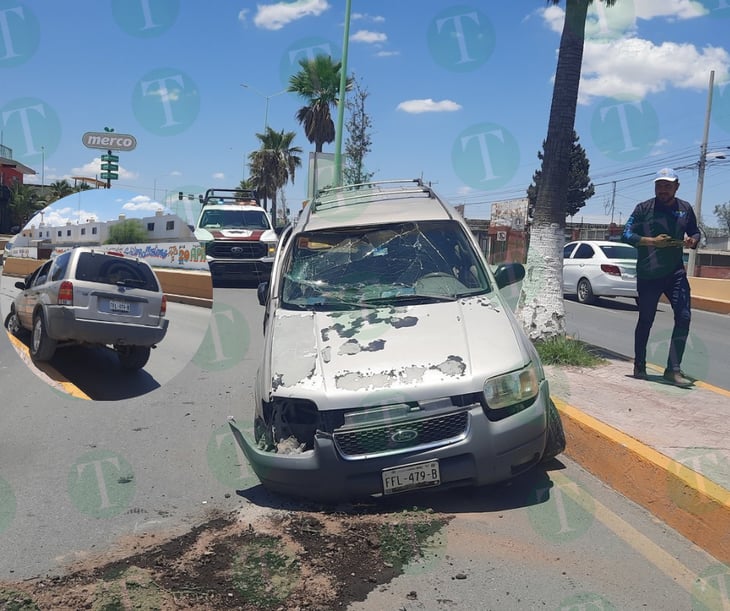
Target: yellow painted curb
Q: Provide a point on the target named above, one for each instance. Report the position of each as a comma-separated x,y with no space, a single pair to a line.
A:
687,501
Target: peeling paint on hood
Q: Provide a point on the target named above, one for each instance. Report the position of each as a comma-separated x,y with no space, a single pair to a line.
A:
332,354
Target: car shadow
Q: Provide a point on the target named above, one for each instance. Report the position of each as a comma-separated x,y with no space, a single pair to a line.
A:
618,304
97,373
526,490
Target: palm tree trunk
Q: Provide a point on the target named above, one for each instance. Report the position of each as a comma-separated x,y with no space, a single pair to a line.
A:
541,308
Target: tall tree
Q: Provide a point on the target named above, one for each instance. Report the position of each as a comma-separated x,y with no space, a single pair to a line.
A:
722,212
541,309
580,187
318,82
274,164
358,142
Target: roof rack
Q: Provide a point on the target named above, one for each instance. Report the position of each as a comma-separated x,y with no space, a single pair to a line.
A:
229,194
361,193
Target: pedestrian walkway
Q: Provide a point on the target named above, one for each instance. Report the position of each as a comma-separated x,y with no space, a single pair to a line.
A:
666,448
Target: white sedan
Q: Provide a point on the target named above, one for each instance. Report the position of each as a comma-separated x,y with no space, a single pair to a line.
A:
593,269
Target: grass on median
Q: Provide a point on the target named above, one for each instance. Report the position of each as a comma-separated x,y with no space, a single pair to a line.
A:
567,351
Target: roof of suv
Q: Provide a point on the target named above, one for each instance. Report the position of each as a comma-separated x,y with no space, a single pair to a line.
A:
373,204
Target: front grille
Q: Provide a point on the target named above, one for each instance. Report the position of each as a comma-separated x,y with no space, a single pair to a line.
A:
237,250
395,437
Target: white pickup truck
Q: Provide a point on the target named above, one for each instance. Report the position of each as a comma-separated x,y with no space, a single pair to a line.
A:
238,235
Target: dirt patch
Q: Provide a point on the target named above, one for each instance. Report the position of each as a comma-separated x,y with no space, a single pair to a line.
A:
285,560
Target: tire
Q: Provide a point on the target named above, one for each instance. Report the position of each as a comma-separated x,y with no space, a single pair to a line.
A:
584,292
42,347
12,324
133,357
555,442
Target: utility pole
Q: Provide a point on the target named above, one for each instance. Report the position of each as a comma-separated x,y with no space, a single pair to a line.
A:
691,262
342,100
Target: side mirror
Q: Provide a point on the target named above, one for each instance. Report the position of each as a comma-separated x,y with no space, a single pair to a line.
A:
262,292
509,273
20,285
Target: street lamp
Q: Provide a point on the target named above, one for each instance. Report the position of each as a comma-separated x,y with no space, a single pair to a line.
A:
266,97
43,169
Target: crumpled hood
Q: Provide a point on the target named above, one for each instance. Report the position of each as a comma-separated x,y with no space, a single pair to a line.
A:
452,346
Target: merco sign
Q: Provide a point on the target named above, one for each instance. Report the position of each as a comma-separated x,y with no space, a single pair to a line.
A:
109,141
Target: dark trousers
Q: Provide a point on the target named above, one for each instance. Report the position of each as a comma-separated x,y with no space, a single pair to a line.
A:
675,287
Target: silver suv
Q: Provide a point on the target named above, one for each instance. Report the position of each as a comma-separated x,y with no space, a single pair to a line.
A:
87,296
391,360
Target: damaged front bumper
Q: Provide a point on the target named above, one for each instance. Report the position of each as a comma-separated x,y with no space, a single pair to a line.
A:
490,452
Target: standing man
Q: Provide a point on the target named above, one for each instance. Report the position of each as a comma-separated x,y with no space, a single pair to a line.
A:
660,228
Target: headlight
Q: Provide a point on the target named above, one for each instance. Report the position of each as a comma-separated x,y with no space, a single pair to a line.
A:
270,249
512,388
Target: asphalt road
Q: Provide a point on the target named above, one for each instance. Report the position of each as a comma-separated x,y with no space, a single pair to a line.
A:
77,478
610,324
95,373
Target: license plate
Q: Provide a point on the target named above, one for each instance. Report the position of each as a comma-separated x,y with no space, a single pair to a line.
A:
410,477
119,306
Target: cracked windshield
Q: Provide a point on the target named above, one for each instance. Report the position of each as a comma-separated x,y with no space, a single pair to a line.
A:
400,263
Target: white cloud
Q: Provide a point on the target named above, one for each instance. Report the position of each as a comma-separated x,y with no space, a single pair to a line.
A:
367,17
368,36
142,202
219,176
619,64
428,105
632,68
276,16
93,169
387,53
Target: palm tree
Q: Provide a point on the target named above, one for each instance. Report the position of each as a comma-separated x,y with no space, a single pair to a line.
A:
274,164
541,309
59,189
318,82
24,203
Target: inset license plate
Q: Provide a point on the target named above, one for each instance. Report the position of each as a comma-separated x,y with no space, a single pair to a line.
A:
119,306
410,477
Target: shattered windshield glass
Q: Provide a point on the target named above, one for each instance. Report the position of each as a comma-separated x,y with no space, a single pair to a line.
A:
395,264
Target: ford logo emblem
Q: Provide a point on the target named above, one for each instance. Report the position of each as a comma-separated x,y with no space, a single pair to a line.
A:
403,435
236,250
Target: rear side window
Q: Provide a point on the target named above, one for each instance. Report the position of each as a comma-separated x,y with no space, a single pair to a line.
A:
108,269
620,251
585,251
60,265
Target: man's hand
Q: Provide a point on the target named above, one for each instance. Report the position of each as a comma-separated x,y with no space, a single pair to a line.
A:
690,242
664,240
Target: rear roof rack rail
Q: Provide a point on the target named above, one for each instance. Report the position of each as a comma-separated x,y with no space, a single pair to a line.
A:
362,193
229,194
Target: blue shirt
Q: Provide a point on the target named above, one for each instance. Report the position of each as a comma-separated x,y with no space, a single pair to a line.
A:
650,219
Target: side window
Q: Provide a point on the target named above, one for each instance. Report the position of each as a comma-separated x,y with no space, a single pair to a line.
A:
42,274
60,265
584,251
567,250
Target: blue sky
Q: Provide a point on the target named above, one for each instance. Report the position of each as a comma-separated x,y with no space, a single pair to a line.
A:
459,92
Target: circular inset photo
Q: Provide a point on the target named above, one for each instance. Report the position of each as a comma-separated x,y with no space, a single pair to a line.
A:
106,294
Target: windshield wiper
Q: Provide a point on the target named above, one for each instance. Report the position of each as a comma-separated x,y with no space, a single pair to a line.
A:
412,298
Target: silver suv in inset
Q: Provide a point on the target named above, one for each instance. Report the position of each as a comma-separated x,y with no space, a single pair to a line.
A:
88,296
391,360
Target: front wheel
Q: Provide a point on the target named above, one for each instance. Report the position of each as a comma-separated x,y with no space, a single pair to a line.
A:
42,347
555,443
585,292
133,357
